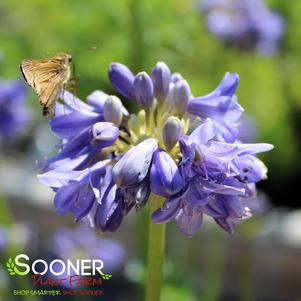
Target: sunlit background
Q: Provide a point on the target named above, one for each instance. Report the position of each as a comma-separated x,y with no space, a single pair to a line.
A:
202,40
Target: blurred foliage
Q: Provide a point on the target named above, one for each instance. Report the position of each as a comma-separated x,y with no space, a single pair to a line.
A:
139,33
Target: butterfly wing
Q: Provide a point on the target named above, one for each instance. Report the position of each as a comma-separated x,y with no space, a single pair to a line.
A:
48,95
47,78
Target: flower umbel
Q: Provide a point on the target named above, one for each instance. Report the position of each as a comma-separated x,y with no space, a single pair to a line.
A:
179,147
14,115
244,23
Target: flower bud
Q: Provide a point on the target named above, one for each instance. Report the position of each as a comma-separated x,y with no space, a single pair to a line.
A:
105,133
180,96
165,177
172,130
122,79
133,167
113,110
161,78
144,90
176,77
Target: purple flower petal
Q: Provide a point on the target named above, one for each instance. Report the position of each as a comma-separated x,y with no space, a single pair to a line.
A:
227,224
69,125
134,165
96,100
215,107
109,212
190,221
76,198
203,133
251,149
227,86
224,189
58,178
73,103
166,213
228,131
252,170
195,193
188,151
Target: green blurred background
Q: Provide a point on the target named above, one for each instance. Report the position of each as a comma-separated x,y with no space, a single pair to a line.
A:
139,33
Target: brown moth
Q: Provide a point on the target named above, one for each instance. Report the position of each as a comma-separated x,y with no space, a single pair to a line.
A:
47,78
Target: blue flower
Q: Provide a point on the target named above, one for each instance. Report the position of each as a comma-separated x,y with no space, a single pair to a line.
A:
247,24
80,243
3,238
182,148
71,243
14,115
218,176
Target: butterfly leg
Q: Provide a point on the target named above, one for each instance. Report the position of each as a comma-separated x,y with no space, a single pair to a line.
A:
73,86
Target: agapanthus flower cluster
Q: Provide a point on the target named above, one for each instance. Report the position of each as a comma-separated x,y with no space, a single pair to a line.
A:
179,147
14,115
244,23
80,243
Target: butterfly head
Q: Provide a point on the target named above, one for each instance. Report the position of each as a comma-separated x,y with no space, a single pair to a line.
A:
64,57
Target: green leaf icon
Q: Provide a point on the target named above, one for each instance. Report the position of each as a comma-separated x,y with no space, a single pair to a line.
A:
106,276
10,267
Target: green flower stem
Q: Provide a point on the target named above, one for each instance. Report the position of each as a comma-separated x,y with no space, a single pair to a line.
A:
214,265
137,43
148,122
155,259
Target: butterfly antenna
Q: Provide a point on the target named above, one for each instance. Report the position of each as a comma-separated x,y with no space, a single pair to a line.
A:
89,49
